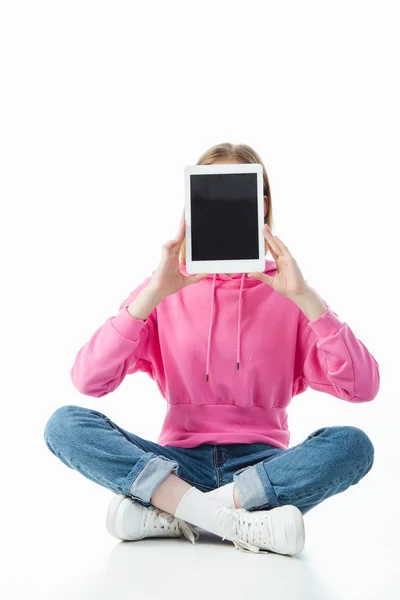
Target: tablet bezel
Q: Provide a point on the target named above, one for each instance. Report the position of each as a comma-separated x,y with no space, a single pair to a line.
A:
226,266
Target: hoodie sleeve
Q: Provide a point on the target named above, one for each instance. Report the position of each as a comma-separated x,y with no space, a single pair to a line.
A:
334,361
122,345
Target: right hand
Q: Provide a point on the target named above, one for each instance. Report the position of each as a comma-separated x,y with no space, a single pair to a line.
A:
168,279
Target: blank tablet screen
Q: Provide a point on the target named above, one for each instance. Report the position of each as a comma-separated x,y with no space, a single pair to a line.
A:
224,216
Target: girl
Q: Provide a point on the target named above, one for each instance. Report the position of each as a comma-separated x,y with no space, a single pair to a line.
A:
228,353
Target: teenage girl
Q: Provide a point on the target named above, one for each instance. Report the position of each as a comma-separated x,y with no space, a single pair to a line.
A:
228,353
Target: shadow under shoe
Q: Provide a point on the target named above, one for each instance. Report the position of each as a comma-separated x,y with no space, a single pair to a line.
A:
128,520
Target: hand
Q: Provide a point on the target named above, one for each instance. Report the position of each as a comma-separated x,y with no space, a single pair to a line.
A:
168,279
288,280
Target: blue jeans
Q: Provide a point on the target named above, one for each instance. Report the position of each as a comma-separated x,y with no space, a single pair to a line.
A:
327,462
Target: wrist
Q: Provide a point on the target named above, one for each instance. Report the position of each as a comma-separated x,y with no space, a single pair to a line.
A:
153,293
305,295
144,303
310,304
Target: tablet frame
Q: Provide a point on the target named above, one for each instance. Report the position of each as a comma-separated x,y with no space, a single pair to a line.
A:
225,266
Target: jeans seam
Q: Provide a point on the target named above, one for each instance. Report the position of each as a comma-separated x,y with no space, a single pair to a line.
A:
217,472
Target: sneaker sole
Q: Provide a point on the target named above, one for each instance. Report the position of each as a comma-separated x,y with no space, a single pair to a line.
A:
115,521
289,529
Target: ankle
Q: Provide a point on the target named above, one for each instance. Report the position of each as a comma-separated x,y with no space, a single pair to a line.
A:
236,498
169,493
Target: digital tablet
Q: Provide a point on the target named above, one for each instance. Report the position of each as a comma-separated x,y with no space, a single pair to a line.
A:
224,206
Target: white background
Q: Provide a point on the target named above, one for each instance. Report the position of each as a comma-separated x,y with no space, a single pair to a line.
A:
102,106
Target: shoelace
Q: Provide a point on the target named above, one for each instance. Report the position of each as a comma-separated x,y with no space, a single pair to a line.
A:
172,523
238,528
241,529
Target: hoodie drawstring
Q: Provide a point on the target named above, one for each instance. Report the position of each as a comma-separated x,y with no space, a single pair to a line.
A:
239,323
211,325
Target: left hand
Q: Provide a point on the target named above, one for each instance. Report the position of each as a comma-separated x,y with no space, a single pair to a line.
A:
288,280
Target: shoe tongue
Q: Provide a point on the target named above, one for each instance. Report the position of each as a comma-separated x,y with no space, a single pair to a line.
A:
165,515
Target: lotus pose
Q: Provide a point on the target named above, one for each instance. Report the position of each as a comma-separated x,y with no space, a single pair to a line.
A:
228,353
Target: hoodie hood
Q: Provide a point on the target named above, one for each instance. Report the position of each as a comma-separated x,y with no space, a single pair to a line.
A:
239,280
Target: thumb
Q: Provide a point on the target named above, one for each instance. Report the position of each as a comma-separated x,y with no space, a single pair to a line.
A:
196,278
261,277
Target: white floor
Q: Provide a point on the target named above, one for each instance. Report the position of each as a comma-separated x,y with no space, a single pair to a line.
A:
55,545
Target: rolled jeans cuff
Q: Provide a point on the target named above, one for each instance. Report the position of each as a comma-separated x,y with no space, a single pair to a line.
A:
255,489
147,474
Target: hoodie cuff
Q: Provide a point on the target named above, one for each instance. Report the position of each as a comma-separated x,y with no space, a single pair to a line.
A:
326,324
126,325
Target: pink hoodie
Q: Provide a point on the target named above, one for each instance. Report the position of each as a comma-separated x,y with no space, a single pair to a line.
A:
228,354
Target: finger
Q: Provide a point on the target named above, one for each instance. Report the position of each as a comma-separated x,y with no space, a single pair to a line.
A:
276,239
261,277
171,245
271,241
195,278
274,254
270,248
281,245
175,244
181,231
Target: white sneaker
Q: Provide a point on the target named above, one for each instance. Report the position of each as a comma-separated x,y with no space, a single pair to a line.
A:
278,530
130,520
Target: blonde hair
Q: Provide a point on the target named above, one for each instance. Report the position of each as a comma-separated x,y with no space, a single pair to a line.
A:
242,154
